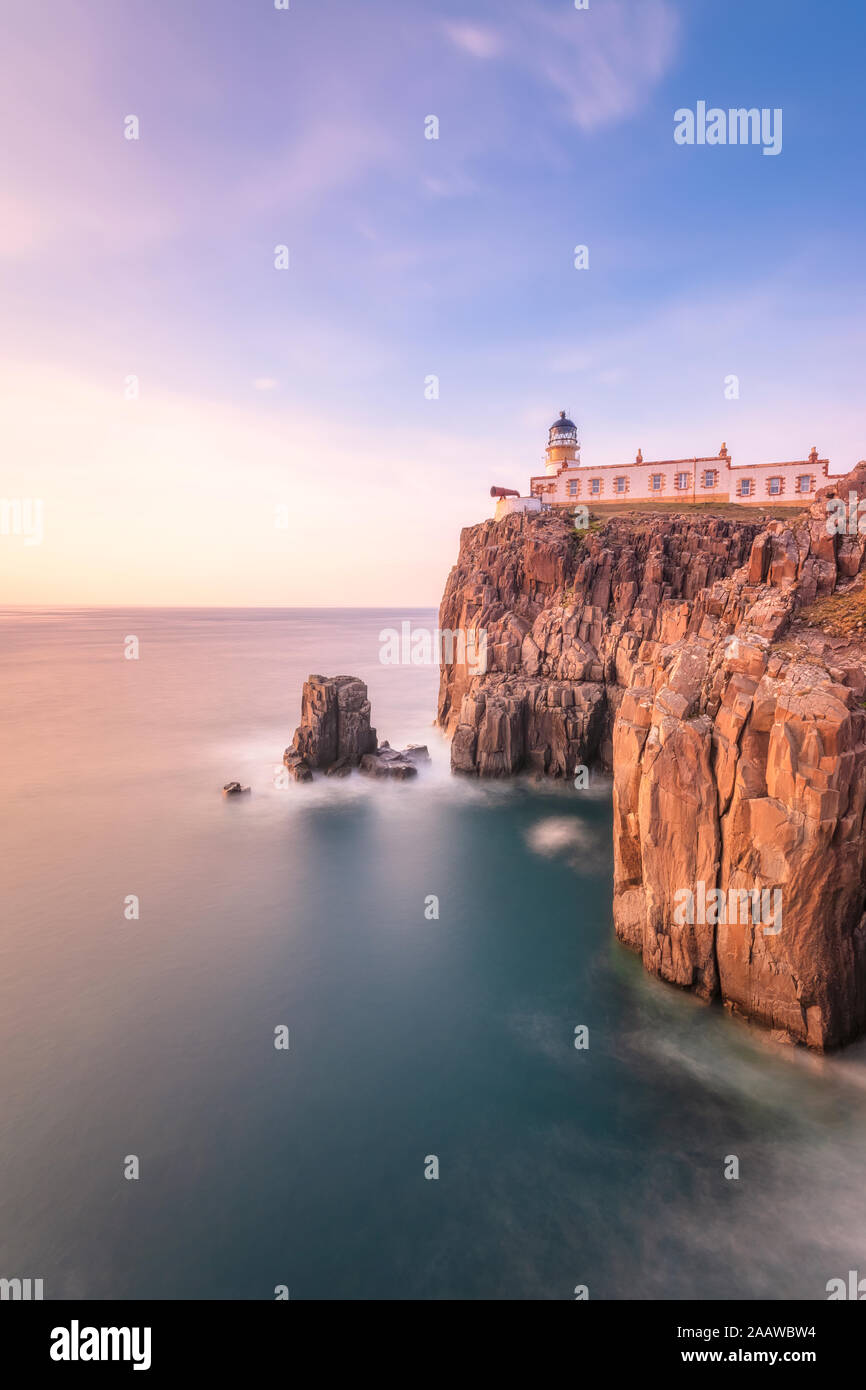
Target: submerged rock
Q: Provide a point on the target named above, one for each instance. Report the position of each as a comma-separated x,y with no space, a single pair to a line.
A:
417,753
388,763
234,789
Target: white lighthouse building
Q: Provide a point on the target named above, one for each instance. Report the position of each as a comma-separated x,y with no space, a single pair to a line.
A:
705,478
702,478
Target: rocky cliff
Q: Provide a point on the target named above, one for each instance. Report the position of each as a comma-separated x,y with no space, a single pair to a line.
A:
716,667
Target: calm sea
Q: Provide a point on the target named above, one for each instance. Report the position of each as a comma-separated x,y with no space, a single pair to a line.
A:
410,1037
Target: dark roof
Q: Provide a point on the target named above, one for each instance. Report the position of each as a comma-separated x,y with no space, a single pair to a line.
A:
563,423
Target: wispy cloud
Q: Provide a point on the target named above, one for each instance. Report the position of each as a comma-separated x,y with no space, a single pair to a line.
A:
606,61
457,185
480,41
330,154
602,63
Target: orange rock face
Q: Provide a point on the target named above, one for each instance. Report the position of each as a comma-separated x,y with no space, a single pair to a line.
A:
670,650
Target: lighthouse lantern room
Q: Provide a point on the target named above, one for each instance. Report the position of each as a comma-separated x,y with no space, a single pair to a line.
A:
563,447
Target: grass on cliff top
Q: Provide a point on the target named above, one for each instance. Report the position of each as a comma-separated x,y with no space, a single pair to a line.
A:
839,614
728,510
579,536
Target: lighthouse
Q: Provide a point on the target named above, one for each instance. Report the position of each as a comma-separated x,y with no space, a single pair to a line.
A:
563,447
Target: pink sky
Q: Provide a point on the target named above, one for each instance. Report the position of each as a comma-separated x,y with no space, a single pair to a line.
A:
265,394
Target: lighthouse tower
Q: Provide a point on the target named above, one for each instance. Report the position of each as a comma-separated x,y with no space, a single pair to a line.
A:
563,448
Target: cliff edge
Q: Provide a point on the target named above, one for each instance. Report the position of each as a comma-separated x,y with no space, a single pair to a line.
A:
716,668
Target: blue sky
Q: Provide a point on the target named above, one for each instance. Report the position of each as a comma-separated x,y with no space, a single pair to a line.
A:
409,257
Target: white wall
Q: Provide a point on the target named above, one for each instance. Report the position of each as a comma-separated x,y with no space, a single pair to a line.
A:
725,489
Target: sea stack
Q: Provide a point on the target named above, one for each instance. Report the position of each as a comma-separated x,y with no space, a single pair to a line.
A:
335,730
335,735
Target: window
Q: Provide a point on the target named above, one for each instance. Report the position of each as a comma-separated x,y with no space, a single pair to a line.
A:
682,481
709,477
745,487
774,486
595,486
804,482
656,480
620,484
572,487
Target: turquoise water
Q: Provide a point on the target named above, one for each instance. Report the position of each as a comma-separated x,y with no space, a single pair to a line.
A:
305,907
